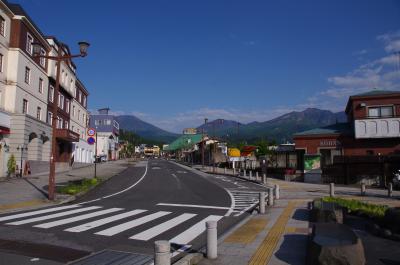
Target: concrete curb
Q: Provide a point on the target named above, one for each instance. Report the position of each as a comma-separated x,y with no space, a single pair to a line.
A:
190,259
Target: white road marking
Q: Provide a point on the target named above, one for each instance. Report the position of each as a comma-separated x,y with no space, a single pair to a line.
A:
131,224
31,220
229,212
103,221
194,231
20,215
194,206
161,228
119,192
77,218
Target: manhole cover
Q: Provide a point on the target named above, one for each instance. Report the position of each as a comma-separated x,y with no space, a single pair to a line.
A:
112,257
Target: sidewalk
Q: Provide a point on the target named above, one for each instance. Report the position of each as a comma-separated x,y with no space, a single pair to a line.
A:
280,236
29,192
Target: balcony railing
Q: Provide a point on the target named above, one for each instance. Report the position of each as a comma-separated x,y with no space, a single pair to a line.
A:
67,135
377,128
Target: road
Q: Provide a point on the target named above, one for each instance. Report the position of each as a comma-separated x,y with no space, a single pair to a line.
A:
152,200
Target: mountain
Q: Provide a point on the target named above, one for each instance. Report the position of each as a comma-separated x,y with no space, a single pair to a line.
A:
280,129
144,129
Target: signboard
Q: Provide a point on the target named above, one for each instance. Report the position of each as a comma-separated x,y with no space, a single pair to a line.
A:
312,162
329,143
91,140
91,132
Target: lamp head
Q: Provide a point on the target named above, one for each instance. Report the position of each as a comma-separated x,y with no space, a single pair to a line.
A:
83,46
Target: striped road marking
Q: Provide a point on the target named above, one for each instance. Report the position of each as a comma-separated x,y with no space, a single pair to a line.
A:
16,216
37,219
128,225
103,221
77,218
161,228
193,206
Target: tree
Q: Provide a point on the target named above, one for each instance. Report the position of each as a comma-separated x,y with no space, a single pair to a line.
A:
11,165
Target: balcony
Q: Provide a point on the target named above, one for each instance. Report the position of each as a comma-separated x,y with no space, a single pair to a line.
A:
67,135
377,128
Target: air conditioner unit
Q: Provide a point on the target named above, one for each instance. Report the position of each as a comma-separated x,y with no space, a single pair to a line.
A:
363,105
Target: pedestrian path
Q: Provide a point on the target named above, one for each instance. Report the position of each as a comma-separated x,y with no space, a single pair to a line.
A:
97,221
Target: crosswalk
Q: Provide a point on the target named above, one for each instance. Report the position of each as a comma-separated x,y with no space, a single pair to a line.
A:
113,221
243,200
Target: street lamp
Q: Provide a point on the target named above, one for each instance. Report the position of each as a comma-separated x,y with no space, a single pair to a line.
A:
21,148
37,47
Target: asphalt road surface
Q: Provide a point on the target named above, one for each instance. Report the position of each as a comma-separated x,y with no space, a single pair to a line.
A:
152,200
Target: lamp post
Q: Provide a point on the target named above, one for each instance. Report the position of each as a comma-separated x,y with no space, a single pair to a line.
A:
60,57
21,148
202,143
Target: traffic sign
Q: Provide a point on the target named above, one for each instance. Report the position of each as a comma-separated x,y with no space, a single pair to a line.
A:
91,132
91,140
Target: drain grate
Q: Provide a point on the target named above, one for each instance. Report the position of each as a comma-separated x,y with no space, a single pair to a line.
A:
112,257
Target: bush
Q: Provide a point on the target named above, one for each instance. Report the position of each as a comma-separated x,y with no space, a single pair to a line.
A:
11,165
372,210
78,186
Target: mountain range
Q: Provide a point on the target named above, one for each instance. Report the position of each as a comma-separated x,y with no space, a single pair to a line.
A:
280,129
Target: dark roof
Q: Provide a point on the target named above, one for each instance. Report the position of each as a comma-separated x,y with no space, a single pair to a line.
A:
376,92
338,128
19,11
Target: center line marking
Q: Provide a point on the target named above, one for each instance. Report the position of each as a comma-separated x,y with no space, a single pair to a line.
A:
194,206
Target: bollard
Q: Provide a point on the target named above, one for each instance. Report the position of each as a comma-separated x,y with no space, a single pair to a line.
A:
277,191
251,175
270,196
332,189
390,189
256,175
234,171
225,170
262,202
162,253
244,172
363,189
212,252
264,180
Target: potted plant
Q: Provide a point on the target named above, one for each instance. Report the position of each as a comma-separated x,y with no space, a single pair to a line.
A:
11,166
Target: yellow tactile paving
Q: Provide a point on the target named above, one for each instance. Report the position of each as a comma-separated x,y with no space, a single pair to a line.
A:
267,247
20,204
247,232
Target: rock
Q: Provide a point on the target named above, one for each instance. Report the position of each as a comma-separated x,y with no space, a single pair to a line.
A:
386,233
334,244
391,219
326,212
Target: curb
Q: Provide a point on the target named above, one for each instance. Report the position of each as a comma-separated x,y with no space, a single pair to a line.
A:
190,259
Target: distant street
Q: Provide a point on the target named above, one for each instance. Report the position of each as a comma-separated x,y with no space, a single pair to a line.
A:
152,200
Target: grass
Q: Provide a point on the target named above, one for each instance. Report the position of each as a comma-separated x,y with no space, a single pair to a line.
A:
372,210
78,186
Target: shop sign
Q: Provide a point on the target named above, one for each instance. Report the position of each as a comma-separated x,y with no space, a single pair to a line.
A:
329,143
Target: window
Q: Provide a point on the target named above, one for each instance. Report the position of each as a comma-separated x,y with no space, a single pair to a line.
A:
49,118
29,41
80,97
1,62
384,111
24,106
39,113
2,26
51,93
73,110
84,101
42,60
40,85
67,105
79,114
72,128
59,123
96,122
66,125
27,75
107,122
61,101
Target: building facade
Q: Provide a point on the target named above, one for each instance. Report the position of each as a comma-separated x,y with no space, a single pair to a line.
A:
107,129
27,94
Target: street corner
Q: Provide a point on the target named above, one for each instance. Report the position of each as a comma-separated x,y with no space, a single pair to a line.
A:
23,205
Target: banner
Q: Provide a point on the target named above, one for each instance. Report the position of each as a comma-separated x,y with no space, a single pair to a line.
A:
312,162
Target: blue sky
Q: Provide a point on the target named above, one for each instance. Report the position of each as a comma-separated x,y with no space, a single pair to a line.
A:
174,62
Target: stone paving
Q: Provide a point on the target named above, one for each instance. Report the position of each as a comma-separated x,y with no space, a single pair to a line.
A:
280,236
30,192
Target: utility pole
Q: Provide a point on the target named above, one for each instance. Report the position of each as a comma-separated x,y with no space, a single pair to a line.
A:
202,142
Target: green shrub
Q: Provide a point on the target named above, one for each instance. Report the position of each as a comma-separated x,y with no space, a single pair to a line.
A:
352,205
11,165
76,187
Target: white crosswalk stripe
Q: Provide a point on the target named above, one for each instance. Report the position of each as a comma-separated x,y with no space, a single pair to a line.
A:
161,228
194,231
131,224
112,223
49,210
103,221
46,217
77,218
